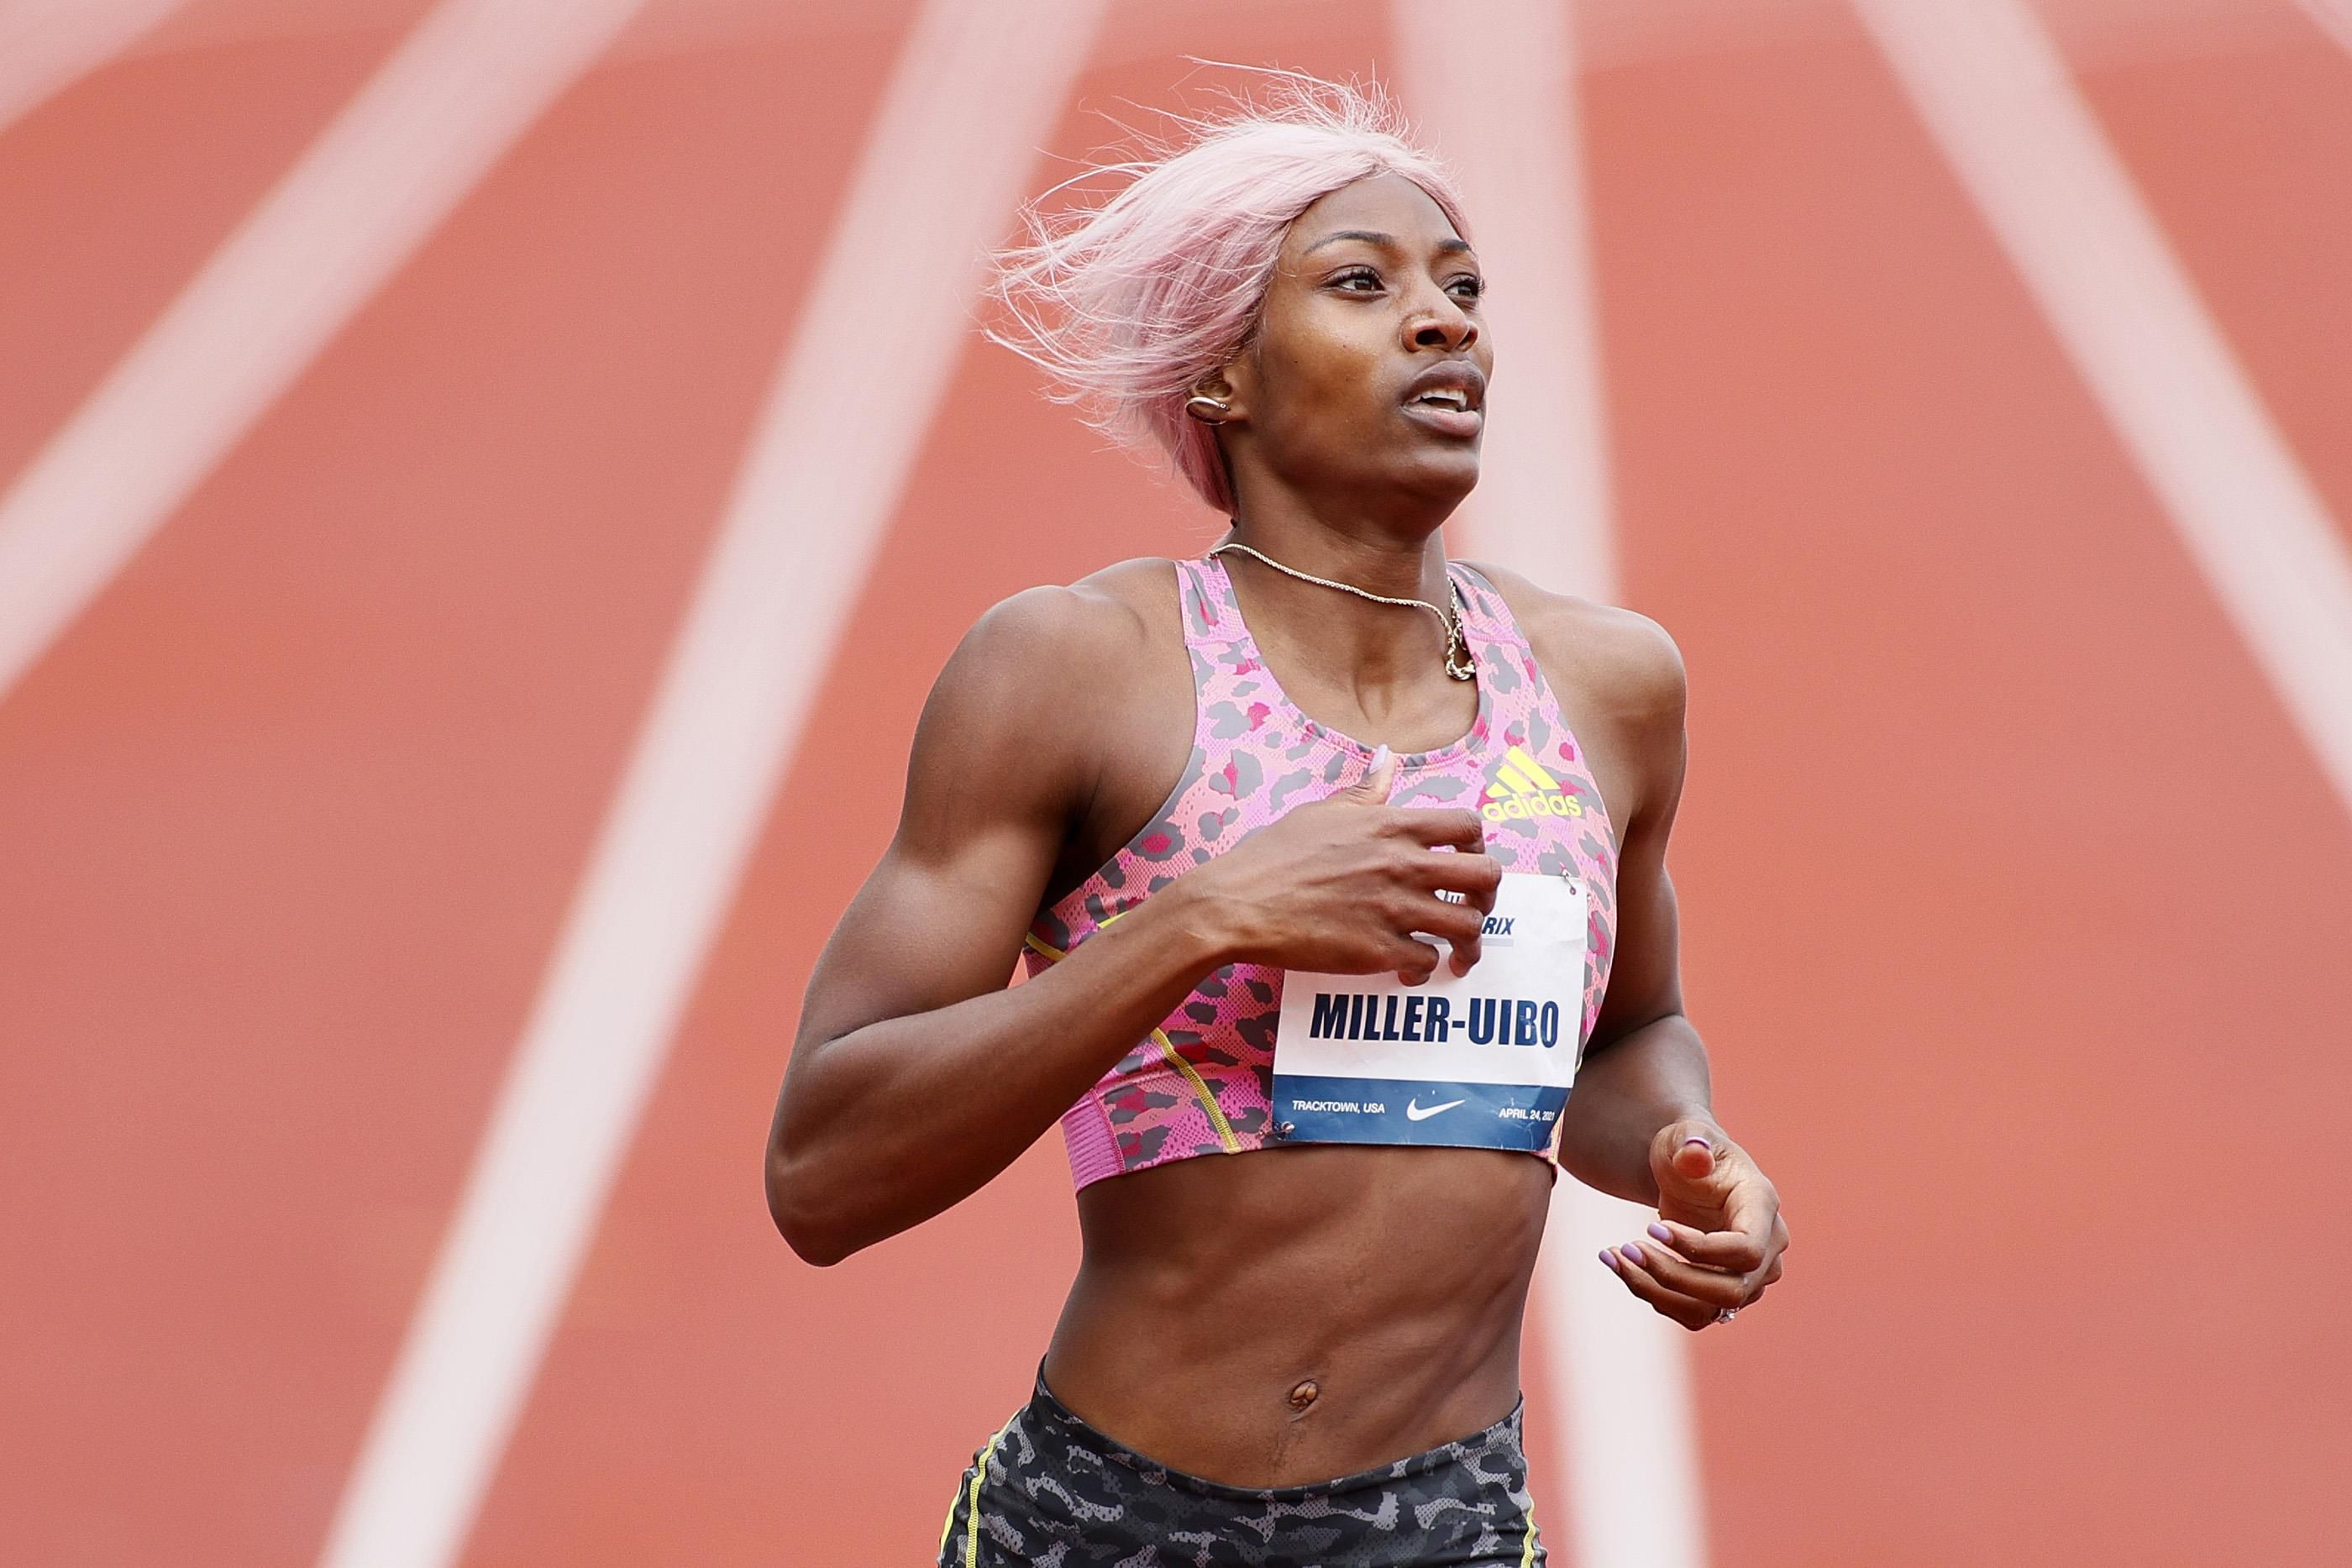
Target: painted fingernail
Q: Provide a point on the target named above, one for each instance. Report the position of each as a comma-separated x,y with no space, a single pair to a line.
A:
1702,1142
1609,1257
1633,1253
1661,1233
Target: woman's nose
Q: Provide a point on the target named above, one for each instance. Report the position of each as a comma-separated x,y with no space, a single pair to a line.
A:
1444,327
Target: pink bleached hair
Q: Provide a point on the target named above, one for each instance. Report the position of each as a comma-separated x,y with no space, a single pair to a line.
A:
1128,304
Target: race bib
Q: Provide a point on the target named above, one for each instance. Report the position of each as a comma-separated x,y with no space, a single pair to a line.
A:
1483,1060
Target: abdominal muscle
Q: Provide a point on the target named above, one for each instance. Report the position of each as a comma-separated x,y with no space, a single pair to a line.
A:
1294,1315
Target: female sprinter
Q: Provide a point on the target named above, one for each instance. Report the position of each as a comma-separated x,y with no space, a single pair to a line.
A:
1321,749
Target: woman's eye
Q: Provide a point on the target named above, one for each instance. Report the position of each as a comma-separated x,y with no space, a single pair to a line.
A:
1350,280
1469,288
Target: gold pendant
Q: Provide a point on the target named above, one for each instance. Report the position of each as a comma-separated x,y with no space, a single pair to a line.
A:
1458,663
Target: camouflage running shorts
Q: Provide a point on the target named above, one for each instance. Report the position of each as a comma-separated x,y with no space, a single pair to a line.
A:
1050,1490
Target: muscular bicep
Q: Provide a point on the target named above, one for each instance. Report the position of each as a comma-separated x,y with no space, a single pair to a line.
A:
926,932
992,781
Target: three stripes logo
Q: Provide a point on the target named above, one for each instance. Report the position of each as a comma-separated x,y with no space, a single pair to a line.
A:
1522,788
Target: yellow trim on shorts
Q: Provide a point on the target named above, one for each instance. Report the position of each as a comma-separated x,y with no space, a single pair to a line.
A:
971,1499
1168,1051
1527,1556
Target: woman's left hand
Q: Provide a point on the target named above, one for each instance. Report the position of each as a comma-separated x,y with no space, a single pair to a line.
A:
1720,1237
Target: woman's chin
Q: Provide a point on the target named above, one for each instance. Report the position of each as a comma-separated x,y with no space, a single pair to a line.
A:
1441,475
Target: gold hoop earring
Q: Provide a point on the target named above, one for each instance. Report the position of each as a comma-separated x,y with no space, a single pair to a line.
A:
1206,409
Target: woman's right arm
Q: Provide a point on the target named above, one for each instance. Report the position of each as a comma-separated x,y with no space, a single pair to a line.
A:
917,1075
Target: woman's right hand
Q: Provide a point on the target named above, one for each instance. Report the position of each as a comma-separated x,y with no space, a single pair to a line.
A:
1339,887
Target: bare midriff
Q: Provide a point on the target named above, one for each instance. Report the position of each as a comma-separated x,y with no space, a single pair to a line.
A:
1294,1315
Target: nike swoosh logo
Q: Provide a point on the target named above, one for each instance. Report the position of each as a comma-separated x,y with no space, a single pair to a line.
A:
1415,1112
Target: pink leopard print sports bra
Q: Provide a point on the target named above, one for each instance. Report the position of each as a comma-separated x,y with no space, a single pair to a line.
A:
1200,1083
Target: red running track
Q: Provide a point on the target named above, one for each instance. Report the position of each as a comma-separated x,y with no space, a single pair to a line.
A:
2016,910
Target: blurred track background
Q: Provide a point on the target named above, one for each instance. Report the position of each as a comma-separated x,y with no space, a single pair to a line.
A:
485,487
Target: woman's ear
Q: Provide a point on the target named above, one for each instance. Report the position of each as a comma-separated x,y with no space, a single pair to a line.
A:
1211,402
1218,398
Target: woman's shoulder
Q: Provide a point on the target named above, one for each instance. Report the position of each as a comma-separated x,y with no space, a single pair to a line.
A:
1100,642
1144,587
1045,679
1101,615
1618,661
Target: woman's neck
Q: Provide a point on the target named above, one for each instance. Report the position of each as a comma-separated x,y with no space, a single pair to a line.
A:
1346,640
1401,558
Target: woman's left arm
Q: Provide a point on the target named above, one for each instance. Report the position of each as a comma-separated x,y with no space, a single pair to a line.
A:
1639,1123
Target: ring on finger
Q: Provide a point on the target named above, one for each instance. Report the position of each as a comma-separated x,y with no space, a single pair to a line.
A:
1725,1315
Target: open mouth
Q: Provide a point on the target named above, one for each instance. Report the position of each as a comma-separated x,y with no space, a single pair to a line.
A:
1448,399
1447,404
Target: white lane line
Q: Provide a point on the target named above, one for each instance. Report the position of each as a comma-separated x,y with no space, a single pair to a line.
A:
2334,17
47,45
1638,1497
458,91
976,90
1499,99
1996,93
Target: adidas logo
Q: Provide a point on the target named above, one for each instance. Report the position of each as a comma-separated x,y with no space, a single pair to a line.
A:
1522,788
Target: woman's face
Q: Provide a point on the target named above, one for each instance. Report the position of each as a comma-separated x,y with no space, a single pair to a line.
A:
1366,381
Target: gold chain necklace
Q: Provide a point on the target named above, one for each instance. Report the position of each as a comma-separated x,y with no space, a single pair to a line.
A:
1458,663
